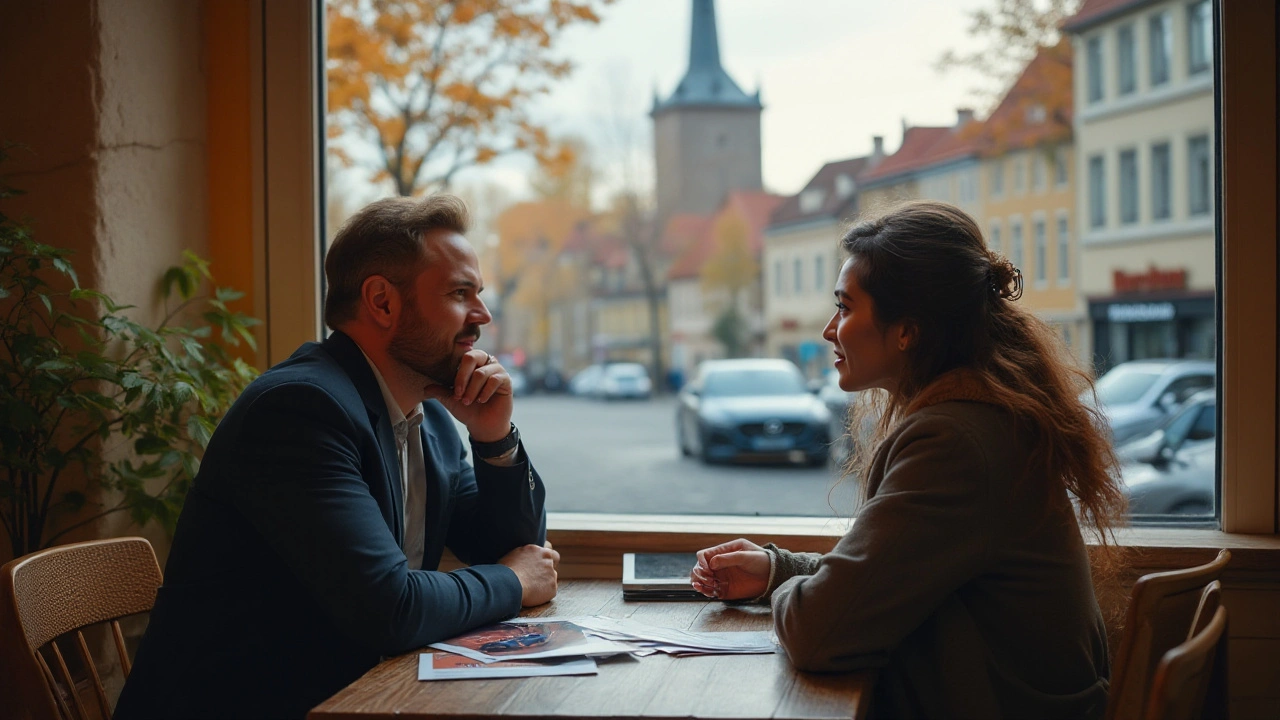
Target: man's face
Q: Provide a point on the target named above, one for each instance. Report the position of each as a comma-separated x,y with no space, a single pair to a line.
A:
441,310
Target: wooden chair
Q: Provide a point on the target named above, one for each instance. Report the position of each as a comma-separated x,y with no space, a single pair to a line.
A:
1162,608
63,590
1185,676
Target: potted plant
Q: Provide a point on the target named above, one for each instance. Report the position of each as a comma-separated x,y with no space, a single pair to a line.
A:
99,413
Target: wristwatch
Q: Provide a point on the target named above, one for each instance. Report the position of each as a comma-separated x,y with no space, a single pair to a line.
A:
488,450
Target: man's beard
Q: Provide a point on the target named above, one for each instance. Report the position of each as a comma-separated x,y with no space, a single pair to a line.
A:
429,355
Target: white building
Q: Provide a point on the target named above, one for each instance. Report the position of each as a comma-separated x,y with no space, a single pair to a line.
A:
1144,130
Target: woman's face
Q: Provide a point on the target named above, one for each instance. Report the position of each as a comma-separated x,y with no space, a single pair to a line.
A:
865,356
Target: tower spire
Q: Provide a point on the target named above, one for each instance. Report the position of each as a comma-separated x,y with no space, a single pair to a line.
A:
704,46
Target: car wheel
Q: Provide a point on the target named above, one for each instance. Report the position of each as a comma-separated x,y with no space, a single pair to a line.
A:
702,452
682,436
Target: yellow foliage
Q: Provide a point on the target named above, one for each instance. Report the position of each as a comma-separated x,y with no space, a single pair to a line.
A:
732,264
444,83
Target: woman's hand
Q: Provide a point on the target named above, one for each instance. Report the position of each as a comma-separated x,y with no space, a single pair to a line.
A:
736,570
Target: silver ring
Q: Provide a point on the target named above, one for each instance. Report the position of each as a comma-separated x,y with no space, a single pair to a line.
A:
487,359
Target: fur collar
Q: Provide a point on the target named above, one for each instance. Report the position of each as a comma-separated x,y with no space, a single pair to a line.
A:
958,384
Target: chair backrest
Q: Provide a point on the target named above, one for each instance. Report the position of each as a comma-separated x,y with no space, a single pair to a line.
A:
1161,610
63,590
1185,674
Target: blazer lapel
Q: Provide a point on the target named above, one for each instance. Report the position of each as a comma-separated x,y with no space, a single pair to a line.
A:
352,360
436,497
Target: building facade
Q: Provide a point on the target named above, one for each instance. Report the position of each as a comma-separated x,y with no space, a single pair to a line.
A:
1029,192
1144,129
801,260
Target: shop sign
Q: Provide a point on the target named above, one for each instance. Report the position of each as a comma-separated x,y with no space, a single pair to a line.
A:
1140,312
1153,280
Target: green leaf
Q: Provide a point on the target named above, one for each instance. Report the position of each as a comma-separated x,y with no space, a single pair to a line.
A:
176,276
66,269
198,432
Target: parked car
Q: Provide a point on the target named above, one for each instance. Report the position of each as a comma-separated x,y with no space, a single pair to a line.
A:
1138,396
739,409
1171,470
624,380
519,381
838,402
585,380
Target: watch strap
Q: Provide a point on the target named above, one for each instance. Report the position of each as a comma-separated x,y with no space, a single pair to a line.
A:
487,450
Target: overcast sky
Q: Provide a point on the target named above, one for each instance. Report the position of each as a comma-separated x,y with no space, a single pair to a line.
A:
832,73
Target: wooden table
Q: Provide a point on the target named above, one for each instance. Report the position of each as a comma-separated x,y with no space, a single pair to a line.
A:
656,686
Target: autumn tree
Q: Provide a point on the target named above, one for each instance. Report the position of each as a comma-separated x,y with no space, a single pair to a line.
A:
1010,33
530,237
731,268
420,89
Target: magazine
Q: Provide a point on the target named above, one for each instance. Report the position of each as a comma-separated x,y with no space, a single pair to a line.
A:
531,639
449,666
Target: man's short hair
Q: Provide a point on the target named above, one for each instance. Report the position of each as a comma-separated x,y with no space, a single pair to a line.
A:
384,238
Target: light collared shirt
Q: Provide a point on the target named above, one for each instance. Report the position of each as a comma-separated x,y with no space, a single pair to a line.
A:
413,471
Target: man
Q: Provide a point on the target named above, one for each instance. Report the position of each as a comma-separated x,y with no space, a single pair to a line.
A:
308,544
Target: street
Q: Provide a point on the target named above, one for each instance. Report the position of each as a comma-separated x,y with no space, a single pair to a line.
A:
621,457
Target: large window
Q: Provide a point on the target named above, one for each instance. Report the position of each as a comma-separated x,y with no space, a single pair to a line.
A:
1127,289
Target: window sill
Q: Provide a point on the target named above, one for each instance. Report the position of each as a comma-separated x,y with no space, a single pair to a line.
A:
591,544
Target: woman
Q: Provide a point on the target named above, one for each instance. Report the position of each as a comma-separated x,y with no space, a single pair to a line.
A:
965,577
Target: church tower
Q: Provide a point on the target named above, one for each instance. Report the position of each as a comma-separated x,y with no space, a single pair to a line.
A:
707,133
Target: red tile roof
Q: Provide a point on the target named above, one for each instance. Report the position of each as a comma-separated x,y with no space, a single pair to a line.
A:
682,229
1045,83
923,147
1093,12
825,181
753,206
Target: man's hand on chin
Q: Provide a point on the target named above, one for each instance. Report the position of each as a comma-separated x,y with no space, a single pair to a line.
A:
535,566
480,398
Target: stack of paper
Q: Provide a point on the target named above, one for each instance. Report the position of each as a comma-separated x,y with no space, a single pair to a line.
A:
678,642
568,646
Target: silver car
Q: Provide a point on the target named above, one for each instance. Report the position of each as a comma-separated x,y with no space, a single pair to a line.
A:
1172,470
1138,396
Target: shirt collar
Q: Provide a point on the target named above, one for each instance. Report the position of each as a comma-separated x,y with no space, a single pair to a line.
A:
393,408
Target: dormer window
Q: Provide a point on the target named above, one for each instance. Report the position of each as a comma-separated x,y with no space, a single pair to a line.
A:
1036,114
844,186
811,200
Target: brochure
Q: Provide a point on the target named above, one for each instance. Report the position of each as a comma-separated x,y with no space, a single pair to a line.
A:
449,666
532,639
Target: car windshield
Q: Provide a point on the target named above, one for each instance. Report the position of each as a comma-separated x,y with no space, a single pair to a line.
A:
1125,385
737,383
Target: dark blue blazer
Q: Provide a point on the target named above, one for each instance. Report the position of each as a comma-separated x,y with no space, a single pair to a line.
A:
287,579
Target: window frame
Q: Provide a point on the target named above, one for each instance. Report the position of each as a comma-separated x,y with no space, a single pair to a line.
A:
1129,187
1062,226
1162,186
1197,66
1095,77
1126,60
1097,189
1159,56
1245,184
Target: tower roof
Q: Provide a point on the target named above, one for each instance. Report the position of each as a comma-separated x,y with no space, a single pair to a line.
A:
706,83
